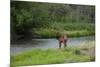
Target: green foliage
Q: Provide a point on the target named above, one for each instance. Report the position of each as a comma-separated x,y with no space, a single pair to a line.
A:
38,56
28,15
54,56
50,33
77,52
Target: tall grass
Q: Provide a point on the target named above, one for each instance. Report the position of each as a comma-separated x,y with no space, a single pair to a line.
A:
51,33
72,29
50,56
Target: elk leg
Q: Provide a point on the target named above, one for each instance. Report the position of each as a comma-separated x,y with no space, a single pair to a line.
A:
59,44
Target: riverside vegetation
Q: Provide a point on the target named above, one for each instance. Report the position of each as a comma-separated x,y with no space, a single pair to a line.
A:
30,19
83,53
36,19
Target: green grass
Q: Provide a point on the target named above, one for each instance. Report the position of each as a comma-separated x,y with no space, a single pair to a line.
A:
72,29
50,33
50,56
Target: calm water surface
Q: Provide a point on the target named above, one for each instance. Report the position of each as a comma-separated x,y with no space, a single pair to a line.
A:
47,43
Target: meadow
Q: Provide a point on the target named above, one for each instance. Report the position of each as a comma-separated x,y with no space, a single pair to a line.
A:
83,53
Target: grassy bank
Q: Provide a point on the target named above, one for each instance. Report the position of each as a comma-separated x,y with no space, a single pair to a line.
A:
72,29
50,33
54,56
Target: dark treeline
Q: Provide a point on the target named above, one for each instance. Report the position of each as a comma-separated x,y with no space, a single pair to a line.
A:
25,16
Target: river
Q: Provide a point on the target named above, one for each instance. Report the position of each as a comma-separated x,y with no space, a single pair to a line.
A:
47,43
